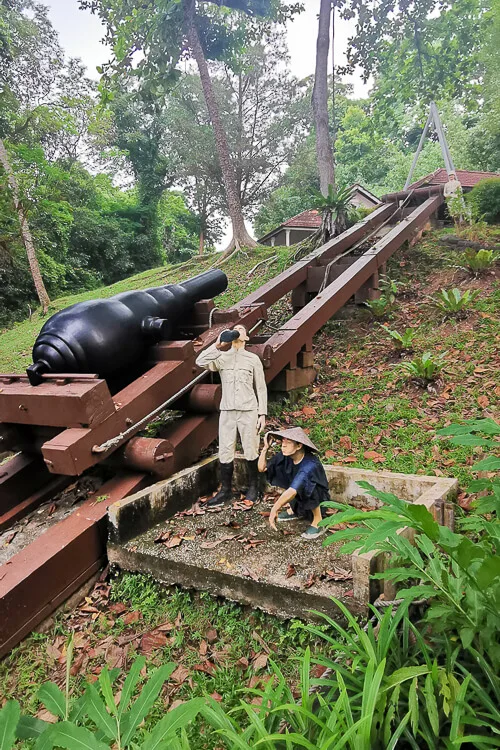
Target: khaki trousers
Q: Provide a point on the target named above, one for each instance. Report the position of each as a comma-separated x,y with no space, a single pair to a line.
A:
231,423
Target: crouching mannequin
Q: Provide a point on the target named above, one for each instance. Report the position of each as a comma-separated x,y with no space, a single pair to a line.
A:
299,472
243,407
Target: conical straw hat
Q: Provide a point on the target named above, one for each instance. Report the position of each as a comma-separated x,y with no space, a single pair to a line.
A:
296,434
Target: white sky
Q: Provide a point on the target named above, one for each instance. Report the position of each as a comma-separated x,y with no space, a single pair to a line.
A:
80,35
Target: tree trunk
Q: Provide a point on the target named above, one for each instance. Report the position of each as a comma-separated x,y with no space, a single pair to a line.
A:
240,234
25,230
202,242
324,151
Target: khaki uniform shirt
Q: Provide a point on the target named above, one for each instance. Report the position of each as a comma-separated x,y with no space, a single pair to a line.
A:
452,187
242,376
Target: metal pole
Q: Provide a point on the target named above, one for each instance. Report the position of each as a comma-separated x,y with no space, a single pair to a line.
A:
448,161
418,151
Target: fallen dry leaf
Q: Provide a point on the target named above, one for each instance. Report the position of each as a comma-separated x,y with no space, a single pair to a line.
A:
118,608
211,635
483,401
45,715
203,648
377,458
132,617
345,442
308,411
175,541
52,509
217,697
242,662
366,398
216,542
180,674
311,580
207,667
260,661
291,571
338,575
151,641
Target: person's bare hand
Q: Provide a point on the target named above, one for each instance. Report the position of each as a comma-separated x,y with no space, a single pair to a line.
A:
222,346
268,439
261,423
273,515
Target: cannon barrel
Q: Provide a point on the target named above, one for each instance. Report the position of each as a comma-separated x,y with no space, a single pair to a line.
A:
106,336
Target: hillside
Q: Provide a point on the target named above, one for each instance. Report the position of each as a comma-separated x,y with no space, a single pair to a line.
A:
363,412
16,342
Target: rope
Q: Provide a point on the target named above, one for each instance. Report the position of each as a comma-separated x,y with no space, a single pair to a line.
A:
115,441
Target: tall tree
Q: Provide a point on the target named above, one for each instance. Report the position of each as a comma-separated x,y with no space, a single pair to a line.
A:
166,33
324,151
24,229
29,61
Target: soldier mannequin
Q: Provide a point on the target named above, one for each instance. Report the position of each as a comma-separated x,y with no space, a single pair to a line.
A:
243,408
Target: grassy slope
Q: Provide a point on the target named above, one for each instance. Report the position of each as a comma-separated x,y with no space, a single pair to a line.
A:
16,343
398,420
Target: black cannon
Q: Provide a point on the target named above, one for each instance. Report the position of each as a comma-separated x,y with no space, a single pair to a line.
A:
106,336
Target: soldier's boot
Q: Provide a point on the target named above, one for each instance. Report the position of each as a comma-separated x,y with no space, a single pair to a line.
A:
252,492
225,494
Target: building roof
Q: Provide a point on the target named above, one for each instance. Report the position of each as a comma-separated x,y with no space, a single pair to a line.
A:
310,219
466,177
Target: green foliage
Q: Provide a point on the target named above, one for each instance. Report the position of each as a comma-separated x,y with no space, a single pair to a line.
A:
381,306
454,303
101,716
479,261
402,341
485,197
424,368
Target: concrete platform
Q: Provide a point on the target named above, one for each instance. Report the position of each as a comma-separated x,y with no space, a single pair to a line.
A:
233,553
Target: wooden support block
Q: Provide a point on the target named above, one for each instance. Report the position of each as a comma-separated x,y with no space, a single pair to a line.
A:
305,359
169,351
368,291
291,380
55,403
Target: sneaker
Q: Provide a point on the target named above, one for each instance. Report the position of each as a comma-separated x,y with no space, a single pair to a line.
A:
284,515
312,533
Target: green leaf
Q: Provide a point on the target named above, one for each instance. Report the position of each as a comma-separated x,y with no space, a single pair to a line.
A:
9,717
107,690
467,636
175,720
53,699
488,572
29,728
413,705
144,702
130,684
97,712
487,464
431,704
404,674
68,736
421,515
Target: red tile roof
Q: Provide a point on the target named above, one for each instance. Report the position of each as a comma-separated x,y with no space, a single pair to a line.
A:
466,178
310,218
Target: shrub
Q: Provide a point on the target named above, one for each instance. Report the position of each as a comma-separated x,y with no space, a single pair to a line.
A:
389,287
100,714
380,307
480,261
424,368
402,341
454,303
485,197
